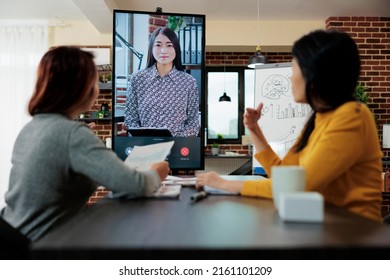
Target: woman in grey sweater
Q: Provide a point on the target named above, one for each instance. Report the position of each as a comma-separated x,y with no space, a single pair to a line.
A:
57,163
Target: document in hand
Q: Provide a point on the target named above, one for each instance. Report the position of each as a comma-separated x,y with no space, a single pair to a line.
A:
142,157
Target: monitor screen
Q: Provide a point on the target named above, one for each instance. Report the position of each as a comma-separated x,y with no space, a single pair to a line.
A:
158,85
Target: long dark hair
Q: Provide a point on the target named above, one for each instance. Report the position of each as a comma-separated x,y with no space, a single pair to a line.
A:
330,64
66,78
171,35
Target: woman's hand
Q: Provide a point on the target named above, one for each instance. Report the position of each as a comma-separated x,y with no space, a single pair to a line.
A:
211,179
162,169
252,116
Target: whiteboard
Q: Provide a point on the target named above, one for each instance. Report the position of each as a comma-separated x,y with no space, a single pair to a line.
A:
282,119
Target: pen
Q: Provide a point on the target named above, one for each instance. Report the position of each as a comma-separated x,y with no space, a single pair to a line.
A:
198,196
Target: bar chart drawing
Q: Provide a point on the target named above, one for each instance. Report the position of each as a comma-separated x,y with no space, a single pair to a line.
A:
282,119
286,111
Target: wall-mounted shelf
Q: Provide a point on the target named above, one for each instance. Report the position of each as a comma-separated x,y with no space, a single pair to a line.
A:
105,86
93,117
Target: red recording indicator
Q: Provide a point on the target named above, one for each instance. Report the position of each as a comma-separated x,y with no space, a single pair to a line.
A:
184,151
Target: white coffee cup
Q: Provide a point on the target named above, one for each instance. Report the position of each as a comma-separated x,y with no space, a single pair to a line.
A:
286,178
108,143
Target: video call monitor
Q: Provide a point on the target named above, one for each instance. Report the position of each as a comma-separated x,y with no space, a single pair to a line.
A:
150,107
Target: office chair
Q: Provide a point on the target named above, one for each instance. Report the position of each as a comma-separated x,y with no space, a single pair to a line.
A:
13,244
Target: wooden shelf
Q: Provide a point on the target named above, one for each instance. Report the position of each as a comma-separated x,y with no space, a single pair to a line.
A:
105,86
93,117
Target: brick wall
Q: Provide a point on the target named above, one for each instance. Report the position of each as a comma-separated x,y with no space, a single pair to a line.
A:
156,21
235,148
372,35
103,128
242,58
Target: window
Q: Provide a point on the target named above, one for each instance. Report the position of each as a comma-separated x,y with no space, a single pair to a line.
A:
225,118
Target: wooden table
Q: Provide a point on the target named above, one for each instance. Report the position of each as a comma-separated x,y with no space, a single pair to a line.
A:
218,227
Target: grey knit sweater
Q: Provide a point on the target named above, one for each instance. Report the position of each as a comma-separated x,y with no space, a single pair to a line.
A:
56,165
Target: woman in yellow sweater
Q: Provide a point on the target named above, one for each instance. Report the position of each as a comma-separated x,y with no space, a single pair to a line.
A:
338,146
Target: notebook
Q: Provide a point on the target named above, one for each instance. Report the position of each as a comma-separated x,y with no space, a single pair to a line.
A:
167,191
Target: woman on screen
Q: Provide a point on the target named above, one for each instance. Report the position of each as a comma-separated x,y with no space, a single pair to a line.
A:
338,146
58,163
163,95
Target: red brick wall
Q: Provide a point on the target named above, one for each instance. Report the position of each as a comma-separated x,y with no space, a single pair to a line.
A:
156,21
242,58
235,148
372,35
103,128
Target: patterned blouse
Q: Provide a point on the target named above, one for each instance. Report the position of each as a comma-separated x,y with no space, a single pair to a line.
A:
170,102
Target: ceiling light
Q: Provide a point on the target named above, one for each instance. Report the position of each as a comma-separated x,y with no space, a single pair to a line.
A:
224,97
258,58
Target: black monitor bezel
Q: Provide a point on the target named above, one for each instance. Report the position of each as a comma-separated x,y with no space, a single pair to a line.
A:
202,88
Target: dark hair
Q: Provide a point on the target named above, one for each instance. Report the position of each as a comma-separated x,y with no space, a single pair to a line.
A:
176,44
66,78
330,64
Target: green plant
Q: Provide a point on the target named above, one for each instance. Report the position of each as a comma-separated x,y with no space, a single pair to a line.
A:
176,23
217,141
361,93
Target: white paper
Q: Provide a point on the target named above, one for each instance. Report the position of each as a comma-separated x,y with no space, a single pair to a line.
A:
142,157
186,181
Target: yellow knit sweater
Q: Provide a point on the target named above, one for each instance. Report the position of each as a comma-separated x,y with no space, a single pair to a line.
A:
342,161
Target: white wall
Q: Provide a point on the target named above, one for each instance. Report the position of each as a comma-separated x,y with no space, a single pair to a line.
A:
79,32
271,35
238,36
